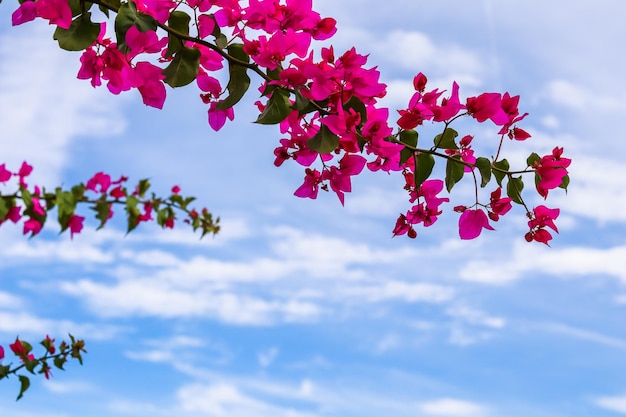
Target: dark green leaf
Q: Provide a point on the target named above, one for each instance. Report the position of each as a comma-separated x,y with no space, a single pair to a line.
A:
532,158
66,203
484,167
514,189
454,172
103,211
184,67
564,182
497,169
132,212
324,141
143,187
446,140
424,167
409,137
4,371
179,21
239,82
24,385
115,4
79,7
4,208
59,361
277,109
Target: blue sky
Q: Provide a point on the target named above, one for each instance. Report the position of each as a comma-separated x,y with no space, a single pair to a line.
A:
302,308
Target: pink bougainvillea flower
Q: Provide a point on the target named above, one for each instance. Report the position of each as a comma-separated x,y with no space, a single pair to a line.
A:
148,80
18,348
542,217
175,189
1,353
472,222
25,13
75,225
99,180
37,207
13,215
118,192
499,206
217,117
57,12
25,170
487,106
310,187
551,170
32,226
5,174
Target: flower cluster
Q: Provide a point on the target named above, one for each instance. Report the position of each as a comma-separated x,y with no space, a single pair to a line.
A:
327,106
32,204
54,355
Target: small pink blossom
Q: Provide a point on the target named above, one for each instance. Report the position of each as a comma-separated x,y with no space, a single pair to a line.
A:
472,222
75,225
33,226
5,174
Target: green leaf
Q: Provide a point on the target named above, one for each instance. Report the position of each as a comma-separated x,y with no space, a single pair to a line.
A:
24,385
184,67
221,41
103,211
277,109
502,165
79,7
532,158
132,212
514,189
179,21
454,172
4,208
66,203
115,4
4,371
239,82
409,138
59,361
446,140
302,104
424,167
324,141
128,16
30,365
564,183
484,167
143,187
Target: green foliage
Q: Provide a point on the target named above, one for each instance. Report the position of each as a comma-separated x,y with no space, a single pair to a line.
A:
424,164
324,141
239,82
514,189
409,138
498,169
277,108
454,172
179,21
184,67
445,140
24,385
484,167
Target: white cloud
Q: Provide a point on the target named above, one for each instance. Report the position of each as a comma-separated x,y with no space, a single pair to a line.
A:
450,407
576,97
584,334
267,357
581,261
612,403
